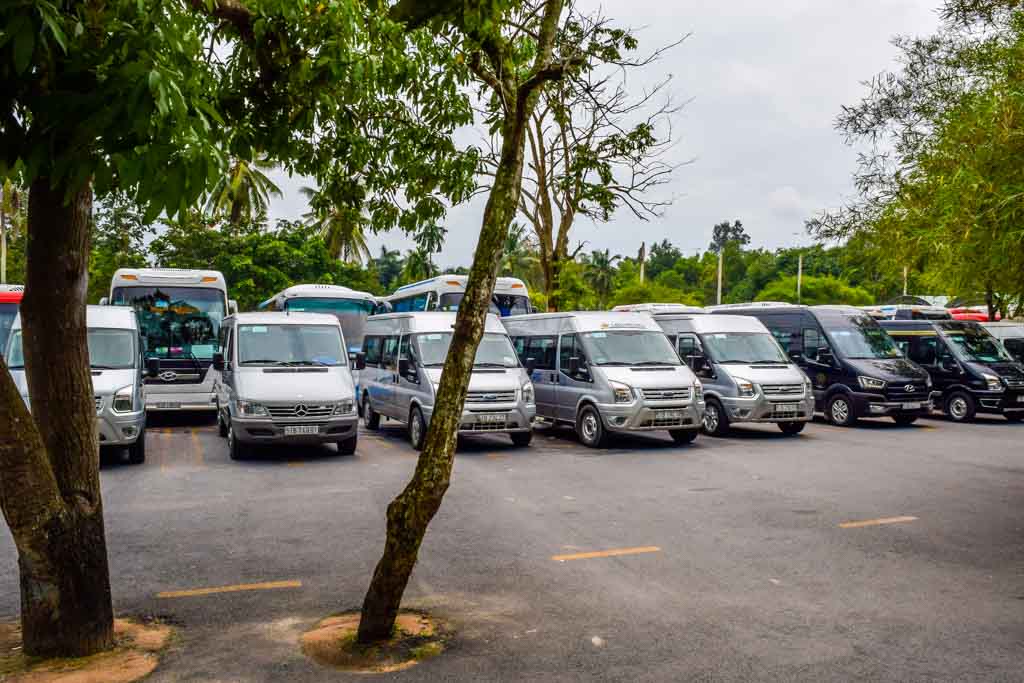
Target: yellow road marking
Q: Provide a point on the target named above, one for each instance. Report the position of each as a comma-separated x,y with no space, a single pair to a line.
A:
269,585
607,553
295,464
197,447
876,522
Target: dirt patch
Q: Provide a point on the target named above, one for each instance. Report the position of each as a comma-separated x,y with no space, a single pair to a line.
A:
133,657
332,643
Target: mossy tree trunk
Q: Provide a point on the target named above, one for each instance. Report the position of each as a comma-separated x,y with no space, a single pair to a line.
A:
49,459
409,514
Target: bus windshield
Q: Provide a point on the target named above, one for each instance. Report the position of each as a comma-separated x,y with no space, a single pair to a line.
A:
495,350
501,304
7,315
629,347
176,321
290,345
109,349
861,337
744,348
973,344
351,313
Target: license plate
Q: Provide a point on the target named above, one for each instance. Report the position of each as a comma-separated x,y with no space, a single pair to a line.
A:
1020,399
491,418
911,406
296,430
786,407
168,406
668,415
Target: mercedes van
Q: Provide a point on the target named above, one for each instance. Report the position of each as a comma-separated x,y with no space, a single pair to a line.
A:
607,372
856,369
747,377
971,371
400,370
283,379
117,368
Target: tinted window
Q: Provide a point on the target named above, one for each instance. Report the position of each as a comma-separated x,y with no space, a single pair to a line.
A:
568,346
859,336
389,353
542,351
1016,348
289,345
176,321
372,350
688,346
974,343
403,347
629,347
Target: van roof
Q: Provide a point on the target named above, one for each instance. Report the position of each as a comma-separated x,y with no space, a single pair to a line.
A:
281,318
924,324
112,317
320,290
658,309
424,321
579,321
710,324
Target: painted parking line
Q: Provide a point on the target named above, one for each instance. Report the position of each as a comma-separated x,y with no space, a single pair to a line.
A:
607,553
237,588
876,522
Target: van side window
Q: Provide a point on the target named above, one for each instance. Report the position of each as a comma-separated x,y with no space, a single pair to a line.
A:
371,347
389,353
229,344
567,348
542,351
403,347
926,350
688,346
813,342
519,344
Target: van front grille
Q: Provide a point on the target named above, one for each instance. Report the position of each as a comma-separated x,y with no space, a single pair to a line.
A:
484,427
301,411
680,394
667,422
491,397
783,389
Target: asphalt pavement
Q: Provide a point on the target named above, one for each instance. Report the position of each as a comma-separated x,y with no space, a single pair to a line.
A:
878,553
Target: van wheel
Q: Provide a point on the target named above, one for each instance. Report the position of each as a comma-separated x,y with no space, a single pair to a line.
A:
683,436
417,428
236,449
137,451
348,446
590,429
716,422
792,428
904,420
960,407
370,416
521,439
222,426
839,411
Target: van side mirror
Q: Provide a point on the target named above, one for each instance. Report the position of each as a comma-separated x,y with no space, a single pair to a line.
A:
825,356
796,356
530,365
949,365
152,367
360,361
407,369
232,307
104,301
218,361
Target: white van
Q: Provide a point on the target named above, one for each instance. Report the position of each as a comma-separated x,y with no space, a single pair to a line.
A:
115,360
284,378
400,368
608,372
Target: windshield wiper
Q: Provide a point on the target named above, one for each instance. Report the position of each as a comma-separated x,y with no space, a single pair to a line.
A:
490,365
105,367
265,360
653,362
773,361
308,362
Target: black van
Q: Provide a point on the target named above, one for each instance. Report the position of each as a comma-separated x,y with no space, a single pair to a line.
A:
972,371
856,368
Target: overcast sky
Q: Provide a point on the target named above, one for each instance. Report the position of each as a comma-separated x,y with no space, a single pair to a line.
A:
766,80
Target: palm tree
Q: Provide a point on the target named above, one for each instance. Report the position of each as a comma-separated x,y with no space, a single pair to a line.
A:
519,259
343,228
599,273
244,193
418,265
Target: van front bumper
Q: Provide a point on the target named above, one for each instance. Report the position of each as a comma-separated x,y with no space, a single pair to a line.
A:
504,418
999,402
761,408
256,430
641,416
119,429
878,405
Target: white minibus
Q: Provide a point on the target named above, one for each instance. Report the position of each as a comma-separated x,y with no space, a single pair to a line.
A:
445,292
350,306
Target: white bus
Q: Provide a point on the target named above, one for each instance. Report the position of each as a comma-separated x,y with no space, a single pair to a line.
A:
350,306
180,314
445,292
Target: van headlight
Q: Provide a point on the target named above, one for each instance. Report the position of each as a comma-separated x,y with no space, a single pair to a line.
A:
251,409
529,397
870,383
808,387
345,408
124,400
698,391
745,388
927,381
623,392
994,383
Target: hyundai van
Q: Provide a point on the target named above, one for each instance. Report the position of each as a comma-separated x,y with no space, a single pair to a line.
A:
747,377
971,371
608,372
284,379
400,370
856,369
117,368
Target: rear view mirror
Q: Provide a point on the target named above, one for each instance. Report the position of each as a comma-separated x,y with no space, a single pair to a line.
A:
152,367
360,361
218,361
574,365
407,369
530,365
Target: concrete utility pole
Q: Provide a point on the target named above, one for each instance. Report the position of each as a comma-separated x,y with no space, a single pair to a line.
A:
642,257
906,273
799,274
721,257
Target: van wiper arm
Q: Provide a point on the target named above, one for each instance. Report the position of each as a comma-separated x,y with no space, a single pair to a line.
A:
265,360
490,365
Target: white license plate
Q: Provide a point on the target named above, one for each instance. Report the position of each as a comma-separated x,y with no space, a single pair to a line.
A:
491,418
786,407
168,406
668,415
296,430
1020,399
910,406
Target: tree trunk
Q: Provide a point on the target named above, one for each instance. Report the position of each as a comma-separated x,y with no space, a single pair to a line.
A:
411,512
52,498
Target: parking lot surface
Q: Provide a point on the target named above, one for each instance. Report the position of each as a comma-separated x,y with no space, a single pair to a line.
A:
873,553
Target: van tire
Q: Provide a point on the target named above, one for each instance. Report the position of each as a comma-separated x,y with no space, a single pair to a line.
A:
348,446
716,422
683,436
417,428
904,420
960,407
236,449
521,439
222,426
370,416
590,429
792,428
137,451
839,411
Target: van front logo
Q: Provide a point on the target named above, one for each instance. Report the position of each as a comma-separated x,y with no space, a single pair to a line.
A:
168,376
301,411
909,388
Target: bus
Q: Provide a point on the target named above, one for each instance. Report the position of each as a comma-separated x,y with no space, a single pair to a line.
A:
350,306
180,313
10,301
445,292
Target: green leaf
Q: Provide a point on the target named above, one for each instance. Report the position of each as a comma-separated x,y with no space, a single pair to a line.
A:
24,43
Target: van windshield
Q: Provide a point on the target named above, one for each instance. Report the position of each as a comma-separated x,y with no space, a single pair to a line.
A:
860,337
289,345
971,343
495,350
744,348
7,315
109,349
629,347
176,321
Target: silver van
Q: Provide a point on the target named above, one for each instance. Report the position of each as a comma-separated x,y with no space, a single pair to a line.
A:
400,368
747,376
607,372
115,359
284,378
